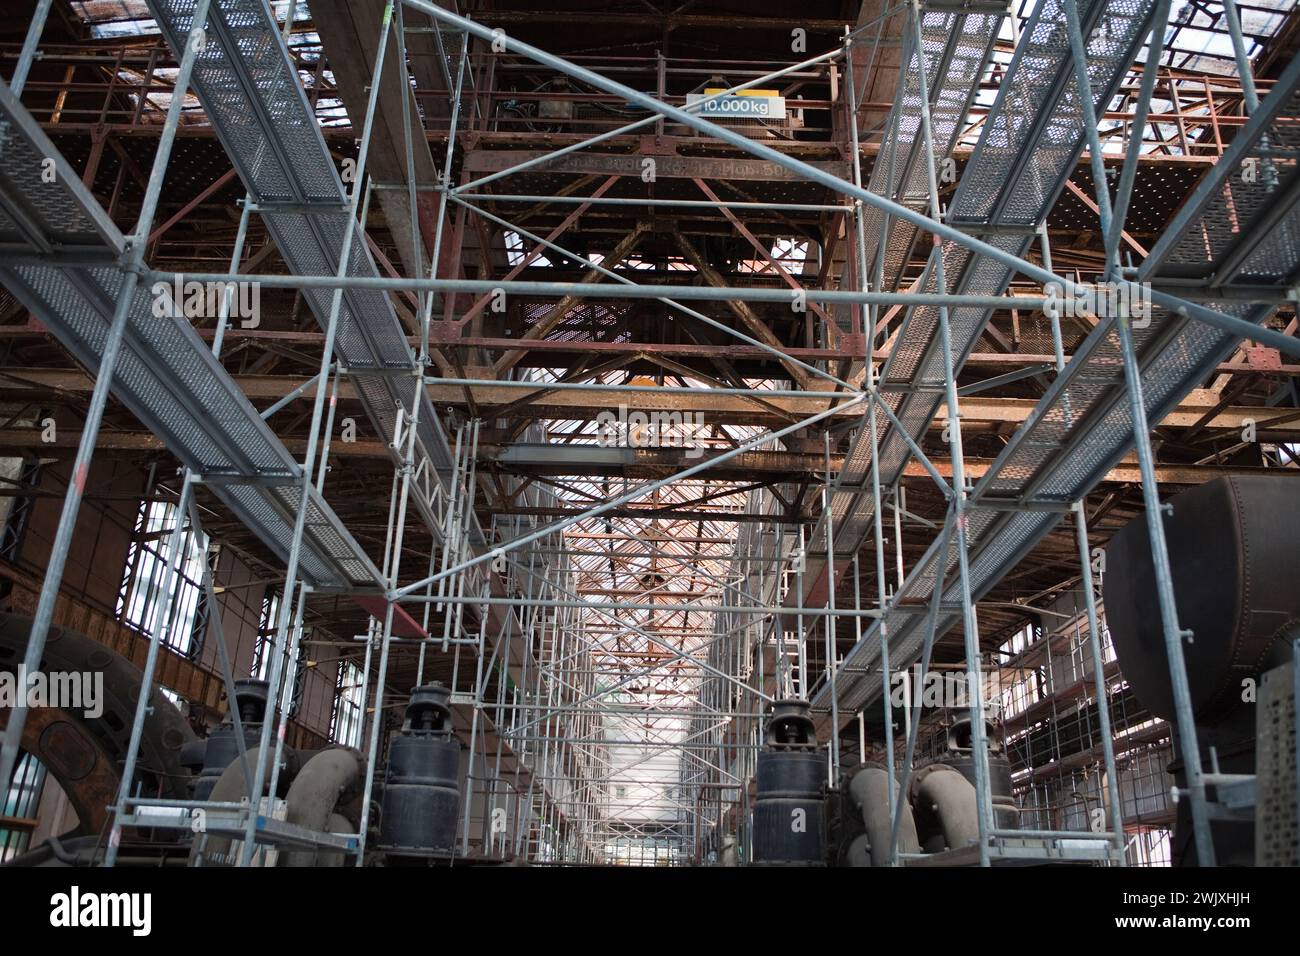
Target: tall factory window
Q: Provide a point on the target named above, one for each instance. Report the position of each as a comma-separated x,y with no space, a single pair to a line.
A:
345,724
143,597
1150,847
262,656
299,676
265,634
21,798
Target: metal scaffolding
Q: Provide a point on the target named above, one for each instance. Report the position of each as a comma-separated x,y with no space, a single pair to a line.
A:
714,594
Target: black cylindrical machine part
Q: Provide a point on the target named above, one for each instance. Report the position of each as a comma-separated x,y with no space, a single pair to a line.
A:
421,801
221,747
789,809
1234,546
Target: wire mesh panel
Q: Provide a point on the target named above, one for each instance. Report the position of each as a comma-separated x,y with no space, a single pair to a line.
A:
251,92
165,374
1277,828
1242,227
1030,143
957,47
1083,425
41,206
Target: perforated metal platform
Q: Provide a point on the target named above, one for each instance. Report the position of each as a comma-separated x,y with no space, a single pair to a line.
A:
166,375
1082,427
957,47
1277,816
1031,142
252,95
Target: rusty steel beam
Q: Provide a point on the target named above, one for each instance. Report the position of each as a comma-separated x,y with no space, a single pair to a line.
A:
743,310
349,33
639,462
666,167
978,411
1263,361
542,327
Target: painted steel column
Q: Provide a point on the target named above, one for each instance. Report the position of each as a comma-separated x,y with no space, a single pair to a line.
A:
873,385
1186,724
161,632
927,648
444,186
1079,53
1099,682
1081,529
1248,92
1128,173
236,255
290,679
399,530
223,652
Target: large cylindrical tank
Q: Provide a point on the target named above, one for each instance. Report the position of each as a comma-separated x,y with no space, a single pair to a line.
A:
85,754
789,807
421,801
1234,547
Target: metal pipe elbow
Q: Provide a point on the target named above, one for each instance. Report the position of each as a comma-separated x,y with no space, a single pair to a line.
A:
946,796
869,789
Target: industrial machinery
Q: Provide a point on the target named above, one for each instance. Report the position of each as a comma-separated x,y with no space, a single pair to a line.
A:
421,800
789,814
799,821
84,753
1234,546
904,309
955,753
317,790
938,812
212,755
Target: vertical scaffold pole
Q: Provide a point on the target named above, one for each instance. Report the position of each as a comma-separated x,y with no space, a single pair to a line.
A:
282,630
970,627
